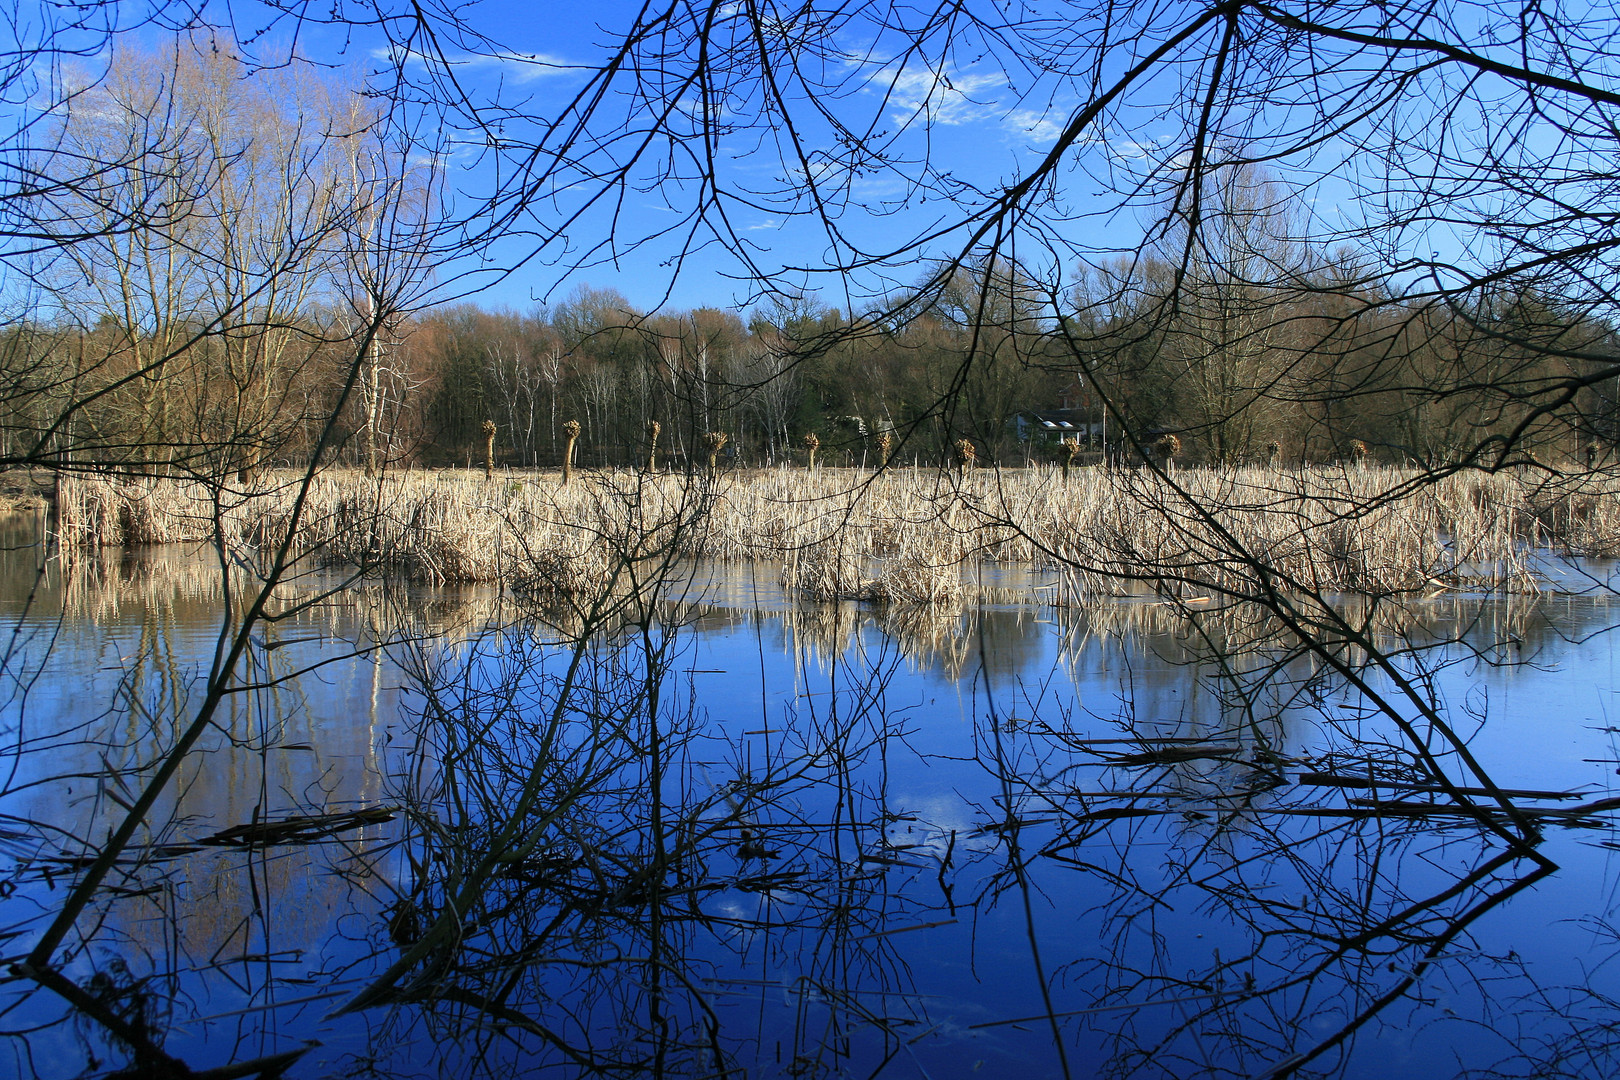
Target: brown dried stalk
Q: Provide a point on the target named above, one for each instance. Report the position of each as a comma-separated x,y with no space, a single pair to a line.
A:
571,429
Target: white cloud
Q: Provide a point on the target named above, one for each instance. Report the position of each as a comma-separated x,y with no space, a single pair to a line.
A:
1036,126
936,96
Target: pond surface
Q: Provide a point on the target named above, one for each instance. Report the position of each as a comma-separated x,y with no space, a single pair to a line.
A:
733,834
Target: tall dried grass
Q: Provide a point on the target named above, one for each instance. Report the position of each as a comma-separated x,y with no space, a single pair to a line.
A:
906,536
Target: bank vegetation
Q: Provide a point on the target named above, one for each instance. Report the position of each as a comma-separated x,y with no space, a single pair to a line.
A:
905,535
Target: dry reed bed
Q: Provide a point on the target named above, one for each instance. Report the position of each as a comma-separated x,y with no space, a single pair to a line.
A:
903,537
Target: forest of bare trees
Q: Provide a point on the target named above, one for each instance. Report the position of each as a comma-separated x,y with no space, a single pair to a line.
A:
1244,363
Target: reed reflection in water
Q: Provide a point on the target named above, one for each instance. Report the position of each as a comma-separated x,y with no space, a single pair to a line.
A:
446,832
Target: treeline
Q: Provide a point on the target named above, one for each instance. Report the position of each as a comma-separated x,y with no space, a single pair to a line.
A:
1320,367
1303,372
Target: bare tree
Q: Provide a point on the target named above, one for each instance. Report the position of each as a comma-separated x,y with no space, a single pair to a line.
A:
206,315
1226,325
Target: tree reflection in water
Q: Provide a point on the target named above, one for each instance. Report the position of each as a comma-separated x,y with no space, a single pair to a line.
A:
669,836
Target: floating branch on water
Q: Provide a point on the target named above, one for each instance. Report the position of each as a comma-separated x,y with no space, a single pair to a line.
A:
301,829
1332,780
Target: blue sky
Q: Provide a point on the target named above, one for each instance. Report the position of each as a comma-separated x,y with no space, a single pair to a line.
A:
966,120
955,112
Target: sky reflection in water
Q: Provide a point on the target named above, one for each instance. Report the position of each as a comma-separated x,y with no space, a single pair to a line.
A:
836,841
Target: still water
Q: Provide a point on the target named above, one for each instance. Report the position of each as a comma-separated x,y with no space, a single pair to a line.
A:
735,834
